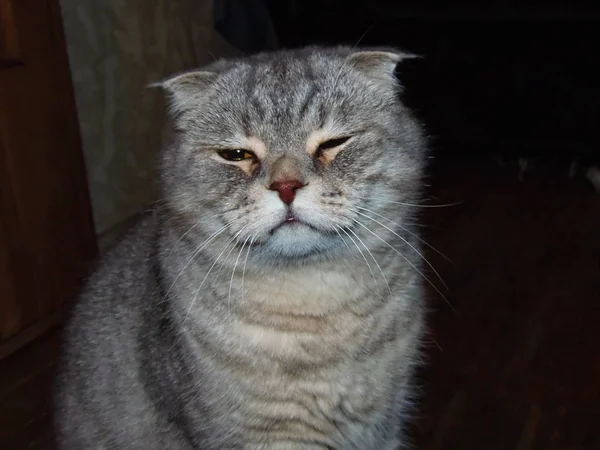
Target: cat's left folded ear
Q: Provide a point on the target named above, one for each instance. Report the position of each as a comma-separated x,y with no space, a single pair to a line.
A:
379,63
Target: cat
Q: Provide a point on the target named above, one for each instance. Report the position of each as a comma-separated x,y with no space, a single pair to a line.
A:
273,298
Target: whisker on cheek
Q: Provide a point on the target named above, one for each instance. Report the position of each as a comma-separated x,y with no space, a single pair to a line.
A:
411,205
406,242
233,274
225,246
197,251
416,269
409,232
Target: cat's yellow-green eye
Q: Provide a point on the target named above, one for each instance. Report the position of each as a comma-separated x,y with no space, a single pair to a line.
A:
236,154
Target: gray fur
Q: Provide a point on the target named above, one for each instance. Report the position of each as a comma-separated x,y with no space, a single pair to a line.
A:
300,337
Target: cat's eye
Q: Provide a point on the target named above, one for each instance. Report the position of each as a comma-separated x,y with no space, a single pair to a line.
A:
236,154
331,143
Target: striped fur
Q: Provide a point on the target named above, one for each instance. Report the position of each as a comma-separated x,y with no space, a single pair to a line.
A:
216,324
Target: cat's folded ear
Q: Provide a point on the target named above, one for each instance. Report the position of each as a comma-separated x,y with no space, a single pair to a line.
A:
183,89
379,63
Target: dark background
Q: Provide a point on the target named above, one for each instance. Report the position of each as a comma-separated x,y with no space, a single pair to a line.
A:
498,78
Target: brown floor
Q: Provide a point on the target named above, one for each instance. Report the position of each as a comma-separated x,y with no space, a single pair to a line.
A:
516,363
513,363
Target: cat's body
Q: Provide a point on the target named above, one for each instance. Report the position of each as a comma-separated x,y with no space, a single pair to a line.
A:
247,311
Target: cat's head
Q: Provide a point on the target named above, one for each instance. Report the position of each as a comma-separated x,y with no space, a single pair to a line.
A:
284,151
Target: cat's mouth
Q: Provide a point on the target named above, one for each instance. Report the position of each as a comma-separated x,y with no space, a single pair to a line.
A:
291,220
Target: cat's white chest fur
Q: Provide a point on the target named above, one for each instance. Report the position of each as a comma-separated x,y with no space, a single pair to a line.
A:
312,347
311,329
309,290
303,315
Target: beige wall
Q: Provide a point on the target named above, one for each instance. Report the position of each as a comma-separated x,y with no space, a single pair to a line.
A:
117,47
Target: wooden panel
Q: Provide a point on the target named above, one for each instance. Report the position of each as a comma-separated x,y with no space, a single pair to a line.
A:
25,395
9,310
46,220
9,45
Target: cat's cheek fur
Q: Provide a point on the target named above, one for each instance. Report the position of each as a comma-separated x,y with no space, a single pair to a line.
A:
259,213
325,213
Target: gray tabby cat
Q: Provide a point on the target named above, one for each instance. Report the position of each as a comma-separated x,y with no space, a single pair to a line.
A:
273,299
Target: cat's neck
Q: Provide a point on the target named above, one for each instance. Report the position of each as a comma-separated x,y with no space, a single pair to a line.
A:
315,289
300,316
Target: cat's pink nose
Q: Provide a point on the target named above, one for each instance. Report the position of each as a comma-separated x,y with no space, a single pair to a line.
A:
286,189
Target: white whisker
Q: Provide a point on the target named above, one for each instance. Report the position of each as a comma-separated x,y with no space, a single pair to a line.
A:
181,239
232,239
406,242
375,260
244,268
412,205
196,252
233,273
409,232
361,252
407,260
334,228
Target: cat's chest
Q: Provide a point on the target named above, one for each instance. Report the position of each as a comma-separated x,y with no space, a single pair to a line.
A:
329,392
307,291
308,354
310,320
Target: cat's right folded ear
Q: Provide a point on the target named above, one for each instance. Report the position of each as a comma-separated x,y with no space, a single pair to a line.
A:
183,89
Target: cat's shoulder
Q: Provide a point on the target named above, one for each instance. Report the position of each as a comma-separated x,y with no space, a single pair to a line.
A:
125,268
139,241
110,302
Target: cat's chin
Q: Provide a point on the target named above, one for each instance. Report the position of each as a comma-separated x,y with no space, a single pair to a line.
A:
291,223
297,240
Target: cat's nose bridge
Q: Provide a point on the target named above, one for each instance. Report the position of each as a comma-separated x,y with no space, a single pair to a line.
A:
286,168
286,178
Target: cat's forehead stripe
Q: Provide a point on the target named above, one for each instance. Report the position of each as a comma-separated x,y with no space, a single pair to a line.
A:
310,96
281,91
